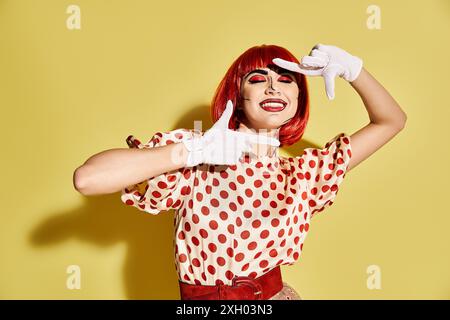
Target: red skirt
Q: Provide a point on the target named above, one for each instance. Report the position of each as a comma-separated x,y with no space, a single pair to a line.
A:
242,288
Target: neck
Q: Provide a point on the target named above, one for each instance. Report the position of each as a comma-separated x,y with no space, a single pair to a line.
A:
261,149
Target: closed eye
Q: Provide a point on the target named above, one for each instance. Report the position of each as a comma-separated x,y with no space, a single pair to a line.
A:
256,79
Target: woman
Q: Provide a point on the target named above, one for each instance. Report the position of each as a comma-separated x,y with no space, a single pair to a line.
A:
242,210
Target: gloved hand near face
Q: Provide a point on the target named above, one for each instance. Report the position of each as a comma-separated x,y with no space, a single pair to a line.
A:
221,145
326,61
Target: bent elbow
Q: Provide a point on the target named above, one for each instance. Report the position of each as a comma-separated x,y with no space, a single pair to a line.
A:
79,180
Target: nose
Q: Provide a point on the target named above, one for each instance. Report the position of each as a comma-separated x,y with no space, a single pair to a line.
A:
270,88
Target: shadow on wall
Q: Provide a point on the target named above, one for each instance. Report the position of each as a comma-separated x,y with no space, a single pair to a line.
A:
149,271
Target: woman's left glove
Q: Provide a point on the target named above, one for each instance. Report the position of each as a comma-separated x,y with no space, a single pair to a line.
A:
326,61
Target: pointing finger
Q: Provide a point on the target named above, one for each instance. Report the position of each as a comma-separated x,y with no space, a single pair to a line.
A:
292,66
314,61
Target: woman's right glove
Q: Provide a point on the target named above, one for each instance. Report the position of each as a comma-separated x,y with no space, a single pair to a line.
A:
221,146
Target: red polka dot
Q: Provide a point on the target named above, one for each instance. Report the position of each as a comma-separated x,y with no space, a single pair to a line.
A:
182,258
239,257
222,238
162,185
223,215
205,210
263,263
215,202
264,234
212,247
256,223
252,245
245,234
196,262
156,194
223,194
240,179
211,269
203,233
275,222
256,203
213,225
220,261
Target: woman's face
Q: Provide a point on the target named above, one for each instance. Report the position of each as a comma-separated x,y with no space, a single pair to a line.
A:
269,97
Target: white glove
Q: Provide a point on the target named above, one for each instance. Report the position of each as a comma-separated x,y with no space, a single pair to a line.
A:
328,62
222,146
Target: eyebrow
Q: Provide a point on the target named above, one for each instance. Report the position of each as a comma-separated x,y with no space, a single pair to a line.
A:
265,72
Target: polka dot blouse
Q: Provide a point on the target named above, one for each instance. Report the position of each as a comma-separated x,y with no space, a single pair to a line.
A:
243,219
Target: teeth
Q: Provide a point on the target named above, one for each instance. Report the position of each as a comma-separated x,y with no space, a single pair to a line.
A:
273,104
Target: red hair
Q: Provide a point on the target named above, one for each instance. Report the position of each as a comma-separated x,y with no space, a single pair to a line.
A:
230,88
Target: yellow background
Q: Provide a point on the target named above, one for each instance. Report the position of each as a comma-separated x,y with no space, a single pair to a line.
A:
137,67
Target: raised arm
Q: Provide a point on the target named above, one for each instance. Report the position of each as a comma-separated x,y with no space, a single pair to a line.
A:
386,118
112,170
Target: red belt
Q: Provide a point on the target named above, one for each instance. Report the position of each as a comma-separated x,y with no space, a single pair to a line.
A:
242,288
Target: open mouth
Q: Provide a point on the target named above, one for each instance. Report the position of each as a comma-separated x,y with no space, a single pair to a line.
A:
273,105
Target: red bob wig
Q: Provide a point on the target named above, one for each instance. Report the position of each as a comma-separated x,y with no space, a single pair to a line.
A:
230,88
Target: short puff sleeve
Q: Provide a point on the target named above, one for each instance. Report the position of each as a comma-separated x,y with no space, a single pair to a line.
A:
165,191
323,170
